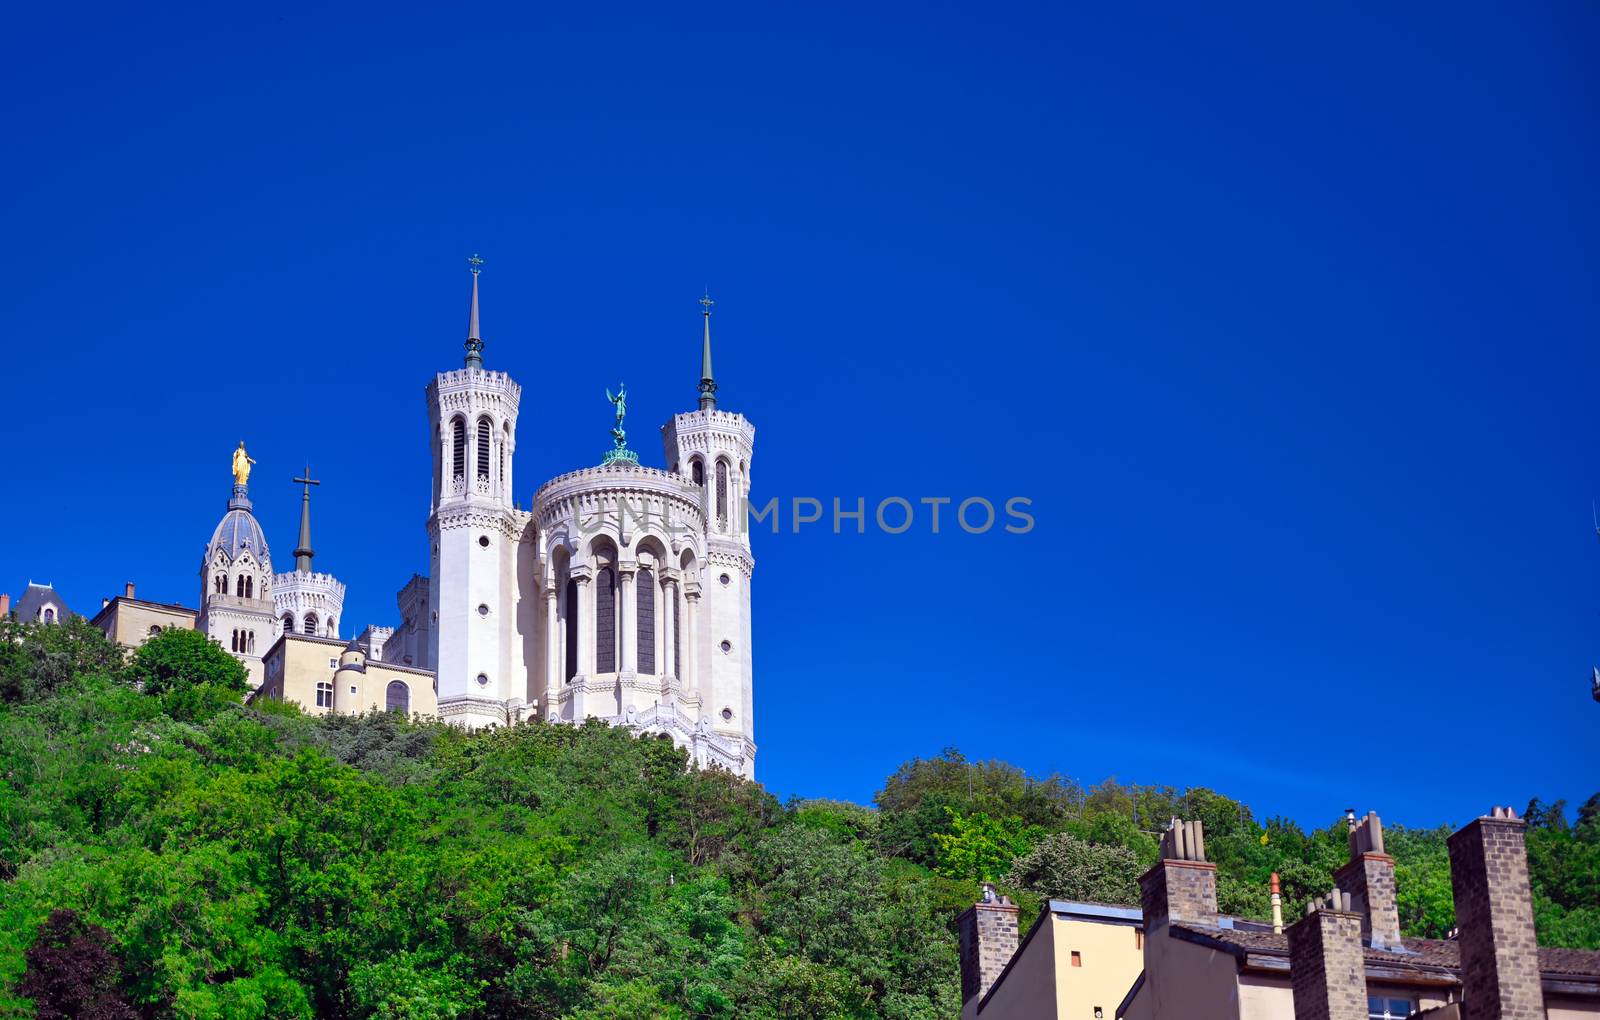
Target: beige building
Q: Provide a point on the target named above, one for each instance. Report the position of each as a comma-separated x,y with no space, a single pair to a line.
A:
1344,960
1078,960
130,621
326,675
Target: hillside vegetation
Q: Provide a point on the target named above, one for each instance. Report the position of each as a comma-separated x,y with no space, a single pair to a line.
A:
169,852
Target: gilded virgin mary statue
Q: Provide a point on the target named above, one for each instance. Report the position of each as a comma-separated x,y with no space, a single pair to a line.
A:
241,465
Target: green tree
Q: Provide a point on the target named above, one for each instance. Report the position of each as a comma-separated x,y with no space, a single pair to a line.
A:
1062,866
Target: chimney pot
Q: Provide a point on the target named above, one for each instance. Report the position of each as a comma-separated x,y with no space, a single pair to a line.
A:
127,590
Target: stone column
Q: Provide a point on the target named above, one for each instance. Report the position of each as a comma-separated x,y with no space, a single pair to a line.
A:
552,647
668,623
628,618
691,639
583,574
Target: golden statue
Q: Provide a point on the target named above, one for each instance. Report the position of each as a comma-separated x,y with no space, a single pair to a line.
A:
241,465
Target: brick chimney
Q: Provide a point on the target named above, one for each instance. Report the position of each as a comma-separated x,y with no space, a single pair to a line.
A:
1368,878
1494,911
127,590
988,937
1326,969
5,604
1182,886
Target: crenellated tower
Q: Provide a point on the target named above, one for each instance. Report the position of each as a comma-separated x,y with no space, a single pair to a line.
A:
308,601
713,448
480,633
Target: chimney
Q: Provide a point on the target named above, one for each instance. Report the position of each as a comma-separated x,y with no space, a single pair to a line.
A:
1326,968
988,937
1182,886
1494,909
1369,880
1277,906
5,604
127,590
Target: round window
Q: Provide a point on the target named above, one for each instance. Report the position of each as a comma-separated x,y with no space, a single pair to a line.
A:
483,679
725,579
483,540
727,713
483,610
727,646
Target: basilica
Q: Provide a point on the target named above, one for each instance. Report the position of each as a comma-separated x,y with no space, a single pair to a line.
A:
622,593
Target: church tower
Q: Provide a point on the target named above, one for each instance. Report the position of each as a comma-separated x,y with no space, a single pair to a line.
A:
480,644
713,449
308,602
236,608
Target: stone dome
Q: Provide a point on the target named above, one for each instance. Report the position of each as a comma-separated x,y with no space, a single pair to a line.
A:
238,531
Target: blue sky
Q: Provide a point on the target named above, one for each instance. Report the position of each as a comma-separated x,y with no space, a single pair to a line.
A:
1283,320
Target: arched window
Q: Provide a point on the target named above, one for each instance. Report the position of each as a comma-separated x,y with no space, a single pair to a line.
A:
698,471
234,647
309,626
250,642
647,620
605,621
324,695
397,698
154,630
333,627
245,586
572,628
221,584
288,623
458,435
484,433
49,615
722,495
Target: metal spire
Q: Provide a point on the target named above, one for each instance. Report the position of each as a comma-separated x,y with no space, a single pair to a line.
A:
708,382
304,552
474,343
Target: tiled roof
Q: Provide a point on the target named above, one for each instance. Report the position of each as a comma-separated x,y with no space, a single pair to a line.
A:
1424,955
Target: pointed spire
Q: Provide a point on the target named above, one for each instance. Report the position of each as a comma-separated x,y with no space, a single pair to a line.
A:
708,381
474,343
303,552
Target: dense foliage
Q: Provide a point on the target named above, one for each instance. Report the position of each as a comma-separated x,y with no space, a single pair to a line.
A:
167,851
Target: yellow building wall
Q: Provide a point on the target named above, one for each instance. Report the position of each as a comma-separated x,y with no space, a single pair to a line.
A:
128,623
298,663
1110,957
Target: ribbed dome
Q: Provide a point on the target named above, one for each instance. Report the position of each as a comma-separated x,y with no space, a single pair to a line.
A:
237,531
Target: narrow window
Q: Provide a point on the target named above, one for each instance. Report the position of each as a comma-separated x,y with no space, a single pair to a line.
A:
324,695
1077,958
670,590
288,623
605,621
221,584
1138,939
250,641
458,435
647,621
233,646
397,698
310,625
572,628
697,470
333,628
722,494
483,448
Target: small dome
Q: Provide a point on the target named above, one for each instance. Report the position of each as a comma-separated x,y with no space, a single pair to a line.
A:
239,531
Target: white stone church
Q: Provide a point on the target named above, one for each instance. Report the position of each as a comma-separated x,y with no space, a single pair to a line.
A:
622,595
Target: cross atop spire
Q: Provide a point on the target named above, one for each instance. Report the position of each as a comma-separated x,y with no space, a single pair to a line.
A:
474,342
708,382
303,552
